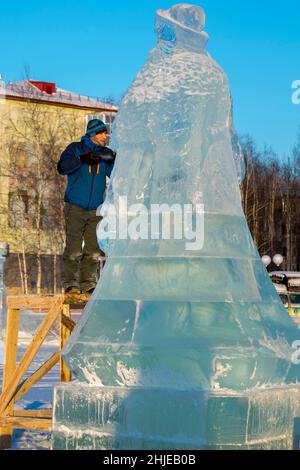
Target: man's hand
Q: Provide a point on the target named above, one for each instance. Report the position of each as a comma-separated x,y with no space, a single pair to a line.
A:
104,154
87,158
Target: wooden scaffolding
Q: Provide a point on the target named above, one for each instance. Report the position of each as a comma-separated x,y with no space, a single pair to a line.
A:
14,384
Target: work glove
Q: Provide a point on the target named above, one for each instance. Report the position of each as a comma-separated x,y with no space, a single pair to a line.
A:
89,159
104,154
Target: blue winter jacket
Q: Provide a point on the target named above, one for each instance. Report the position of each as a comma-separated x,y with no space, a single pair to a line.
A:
86,184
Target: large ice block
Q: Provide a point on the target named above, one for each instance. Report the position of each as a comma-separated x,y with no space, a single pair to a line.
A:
180,348
89,417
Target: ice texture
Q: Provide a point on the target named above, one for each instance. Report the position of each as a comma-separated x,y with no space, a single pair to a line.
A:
162,319
89,417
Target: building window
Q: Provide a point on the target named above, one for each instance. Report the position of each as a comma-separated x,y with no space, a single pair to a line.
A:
18,209
107,118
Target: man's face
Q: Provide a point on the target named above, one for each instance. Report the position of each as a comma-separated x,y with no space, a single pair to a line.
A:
100,139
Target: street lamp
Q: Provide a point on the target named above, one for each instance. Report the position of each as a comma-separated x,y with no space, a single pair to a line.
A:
266,260
278,260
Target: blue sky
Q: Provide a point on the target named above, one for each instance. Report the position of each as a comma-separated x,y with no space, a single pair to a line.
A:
96,48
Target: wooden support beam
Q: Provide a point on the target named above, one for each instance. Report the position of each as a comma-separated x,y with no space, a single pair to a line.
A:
35,424
36,376
65,333
39,302
10,361
77,300
30,353
67,322
31,301
59,305
32,413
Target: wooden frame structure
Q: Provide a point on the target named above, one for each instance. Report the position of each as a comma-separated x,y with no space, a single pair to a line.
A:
14,384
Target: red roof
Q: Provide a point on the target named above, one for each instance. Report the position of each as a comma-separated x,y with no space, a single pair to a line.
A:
46,87
38,91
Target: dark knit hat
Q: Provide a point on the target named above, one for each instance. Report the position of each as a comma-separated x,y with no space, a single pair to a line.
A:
95,126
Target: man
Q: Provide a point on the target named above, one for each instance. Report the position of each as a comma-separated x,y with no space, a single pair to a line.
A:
86,164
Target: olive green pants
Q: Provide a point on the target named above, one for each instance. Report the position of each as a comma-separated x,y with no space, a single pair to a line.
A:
80,261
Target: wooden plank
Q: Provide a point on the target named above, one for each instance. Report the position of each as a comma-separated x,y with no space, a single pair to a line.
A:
36,376
10,361
30,353
40,302
31,301
77,300
11,345
68,322
33,414
65,333
35,424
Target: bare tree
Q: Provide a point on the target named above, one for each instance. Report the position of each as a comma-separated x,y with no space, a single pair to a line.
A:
271,201
35,138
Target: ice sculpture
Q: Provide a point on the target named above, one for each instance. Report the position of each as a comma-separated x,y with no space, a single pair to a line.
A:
180,349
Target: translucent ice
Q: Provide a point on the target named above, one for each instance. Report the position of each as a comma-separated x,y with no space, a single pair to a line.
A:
164,320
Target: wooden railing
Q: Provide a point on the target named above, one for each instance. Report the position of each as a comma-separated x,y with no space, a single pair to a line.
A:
14,384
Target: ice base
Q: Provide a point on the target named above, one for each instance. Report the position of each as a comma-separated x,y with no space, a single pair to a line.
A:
113,418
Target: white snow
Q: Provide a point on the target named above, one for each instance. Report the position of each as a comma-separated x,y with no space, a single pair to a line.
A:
288,274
